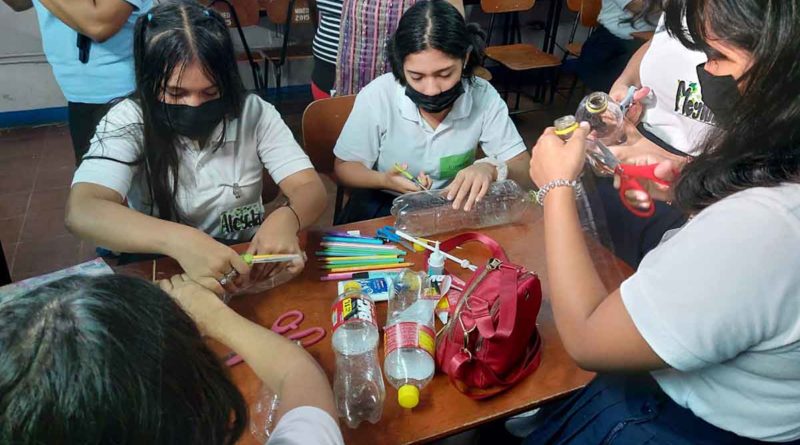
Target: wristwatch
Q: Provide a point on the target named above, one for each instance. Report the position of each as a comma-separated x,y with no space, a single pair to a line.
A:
501,166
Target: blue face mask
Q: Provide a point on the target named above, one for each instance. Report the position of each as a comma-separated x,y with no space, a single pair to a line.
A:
195,123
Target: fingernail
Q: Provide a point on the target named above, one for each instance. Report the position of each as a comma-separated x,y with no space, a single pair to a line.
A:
584,125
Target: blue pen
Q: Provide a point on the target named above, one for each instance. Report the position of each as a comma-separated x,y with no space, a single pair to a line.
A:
342,239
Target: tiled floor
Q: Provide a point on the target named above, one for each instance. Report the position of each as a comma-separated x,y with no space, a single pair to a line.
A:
36,167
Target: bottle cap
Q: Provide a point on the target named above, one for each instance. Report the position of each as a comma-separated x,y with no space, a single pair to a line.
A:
352,286
408,396
597,102
565,126
437,258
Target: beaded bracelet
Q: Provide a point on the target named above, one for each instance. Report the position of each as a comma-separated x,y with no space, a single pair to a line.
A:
545,189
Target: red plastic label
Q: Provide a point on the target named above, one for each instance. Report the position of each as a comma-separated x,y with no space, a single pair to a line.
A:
408,335
351,309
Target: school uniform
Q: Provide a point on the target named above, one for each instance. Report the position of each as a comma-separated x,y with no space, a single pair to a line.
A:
386,127
89,87
718,301
219,189
306,425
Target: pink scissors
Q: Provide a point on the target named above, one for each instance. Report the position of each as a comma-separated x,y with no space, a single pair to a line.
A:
629,175
280,326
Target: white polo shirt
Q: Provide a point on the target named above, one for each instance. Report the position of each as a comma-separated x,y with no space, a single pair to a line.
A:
719,301
205,198
679,116
385,127
306,425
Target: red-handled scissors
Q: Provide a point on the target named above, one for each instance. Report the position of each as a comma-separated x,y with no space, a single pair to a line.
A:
282,327
629,175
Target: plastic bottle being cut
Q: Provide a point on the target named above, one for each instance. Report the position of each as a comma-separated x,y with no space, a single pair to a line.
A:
409,339
429,212
606,119
358,383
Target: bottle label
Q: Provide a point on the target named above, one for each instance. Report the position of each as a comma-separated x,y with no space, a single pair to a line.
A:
351,309
408,335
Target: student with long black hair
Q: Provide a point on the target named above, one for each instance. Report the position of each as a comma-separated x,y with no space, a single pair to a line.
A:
116,360
430,114
708,328
188,151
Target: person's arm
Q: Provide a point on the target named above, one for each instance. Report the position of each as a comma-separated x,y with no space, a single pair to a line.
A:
518,168
286,368
630,75
97,213
19,5
594,326
278,233
635,6
97,19
355,174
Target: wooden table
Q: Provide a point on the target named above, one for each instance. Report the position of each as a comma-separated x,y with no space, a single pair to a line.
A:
442,410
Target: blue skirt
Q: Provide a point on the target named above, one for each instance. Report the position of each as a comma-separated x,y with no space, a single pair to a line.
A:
627,410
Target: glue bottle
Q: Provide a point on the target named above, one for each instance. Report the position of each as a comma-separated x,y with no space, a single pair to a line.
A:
436,262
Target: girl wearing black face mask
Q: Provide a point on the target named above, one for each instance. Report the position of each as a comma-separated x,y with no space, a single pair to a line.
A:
188,150
430,115
701,344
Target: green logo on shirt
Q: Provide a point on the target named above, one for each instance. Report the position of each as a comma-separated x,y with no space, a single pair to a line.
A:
449,166
242,218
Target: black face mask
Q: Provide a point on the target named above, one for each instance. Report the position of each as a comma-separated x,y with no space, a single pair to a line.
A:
437,103
195,123
720,94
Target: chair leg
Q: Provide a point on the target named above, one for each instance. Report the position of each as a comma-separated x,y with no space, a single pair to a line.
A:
339,203
5,274
253,65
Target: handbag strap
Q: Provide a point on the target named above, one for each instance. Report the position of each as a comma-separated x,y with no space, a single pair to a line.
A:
507,290
451,243
533,357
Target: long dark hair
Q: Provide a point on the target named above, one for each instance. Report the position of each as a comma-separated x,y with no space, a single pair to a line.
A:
110,359
168,38
760,146
436,24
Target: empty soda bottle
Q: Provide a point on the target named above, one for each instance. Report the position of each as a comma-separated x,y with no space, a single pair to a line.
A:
429,212
358,382
606,119
409,339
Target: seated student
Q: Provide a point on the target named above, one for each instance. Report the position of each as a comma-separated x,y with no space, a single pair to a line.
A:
115,360
188,151
707,330
430,114
608,48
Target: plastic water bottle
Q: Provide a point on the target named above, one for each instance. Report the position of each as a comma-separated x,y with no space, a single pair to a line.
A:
604,115
429,212
409,338
358,383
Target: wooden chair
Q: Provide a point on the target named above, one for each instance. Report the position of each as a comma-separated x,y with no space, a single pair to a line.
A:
515,56
239,13
323,121
586,13
287,14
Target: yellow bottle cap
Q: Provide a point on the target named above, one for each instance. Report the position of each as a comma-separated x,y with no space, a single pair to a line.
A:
408,396
352,286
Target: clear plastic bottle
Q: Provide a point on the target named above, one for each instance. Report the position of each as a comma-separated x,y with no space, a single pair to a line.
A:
607,122
358,382
429,212
409,339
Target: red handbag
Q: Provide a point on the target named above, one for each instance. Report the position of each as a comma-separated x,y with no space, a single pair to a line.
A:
491,341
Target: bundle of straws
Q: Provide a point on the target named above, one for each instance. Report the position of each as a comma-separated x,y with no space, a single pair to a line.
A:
343,254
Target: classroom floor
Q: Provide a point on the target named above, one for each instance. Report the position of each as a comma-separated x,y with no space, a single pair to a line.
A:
36,167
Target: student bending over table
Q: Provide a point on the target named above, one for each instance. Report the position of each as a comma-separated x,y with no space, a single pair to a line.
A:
429,115
115,360
708,328
188,151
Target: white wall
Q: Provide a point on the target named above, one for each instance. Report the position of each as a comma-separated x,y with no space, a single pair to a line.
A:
26,80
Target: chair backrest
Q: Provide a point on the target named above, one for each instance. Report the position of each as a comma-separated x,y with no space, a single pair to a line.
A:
246,11
589,11
323,121
277,11
500,6
574,5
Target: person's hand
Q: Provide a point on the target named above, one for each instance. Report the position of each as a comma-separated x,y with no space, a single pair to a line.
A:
211,263
277,234
470,185
668,168
202,305
618,92
394,180
553,158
